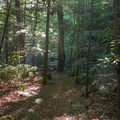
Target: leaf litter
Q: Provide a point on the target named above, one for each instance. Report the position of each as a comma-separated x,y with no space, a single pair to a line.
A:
60,100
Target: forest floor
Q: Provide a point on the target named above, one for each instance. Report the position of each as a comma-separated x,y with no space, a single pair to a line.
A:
60,99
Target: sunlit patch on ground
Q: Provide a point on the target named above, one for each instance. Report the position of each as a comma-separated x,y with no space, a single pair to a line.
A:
65,118
30,91
13,94
71,117
59,101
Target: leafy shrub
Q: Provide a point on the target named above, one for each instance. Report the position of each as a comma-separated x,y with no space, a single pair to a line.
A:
9,72
16,57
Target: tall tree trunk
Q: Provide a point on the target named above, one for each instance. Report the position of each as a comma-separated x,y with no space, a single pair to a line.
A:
46,44
24,21
71,52
6,24
77,43
61,52
34,35
6,45
6,37
89,51
117,47
20,34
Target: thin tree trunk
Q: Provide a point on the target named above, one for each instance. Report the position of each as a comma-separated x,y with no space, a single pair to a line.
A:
116,6
6,37
6,24
89,50
46,44
24,13
77,48
6,45
71,52
34,35
77,44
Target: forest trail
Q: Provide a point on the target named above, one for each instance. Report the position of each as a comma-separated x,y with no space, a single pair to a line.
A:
60,97
58,100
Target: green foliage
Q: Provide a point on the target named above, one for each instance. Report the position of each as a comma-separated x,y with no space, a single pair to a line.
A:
7,118
22,86
73,109
9,73
65,82
104,77
51,82
70,9
16,57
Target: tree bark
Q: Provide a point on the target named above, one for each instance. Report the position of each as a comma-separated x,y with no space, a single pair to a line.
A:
46,44
89,51
20,34
34,35
6,36
71,50
116,6
6,24
77,44
61,52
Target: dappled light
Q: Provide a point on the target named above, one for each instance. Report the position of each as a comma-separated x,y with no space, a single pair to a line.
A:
28,93
59,59
23,92
58,101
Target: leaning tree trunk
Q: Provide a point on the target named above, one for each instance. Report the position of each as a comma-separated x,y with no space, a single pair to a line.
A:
6,25
61,52
117,47
20,35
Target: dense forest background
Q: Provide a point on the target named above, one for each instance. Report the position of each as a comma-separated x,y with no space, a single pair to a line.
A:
78,37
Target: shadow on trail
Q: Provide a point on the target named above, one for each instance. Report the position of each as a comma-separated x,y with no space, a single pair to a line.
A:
58,100
52,102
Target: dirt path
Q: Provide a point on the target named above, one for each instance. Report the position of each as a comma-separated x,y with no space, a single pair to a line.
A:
58,100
